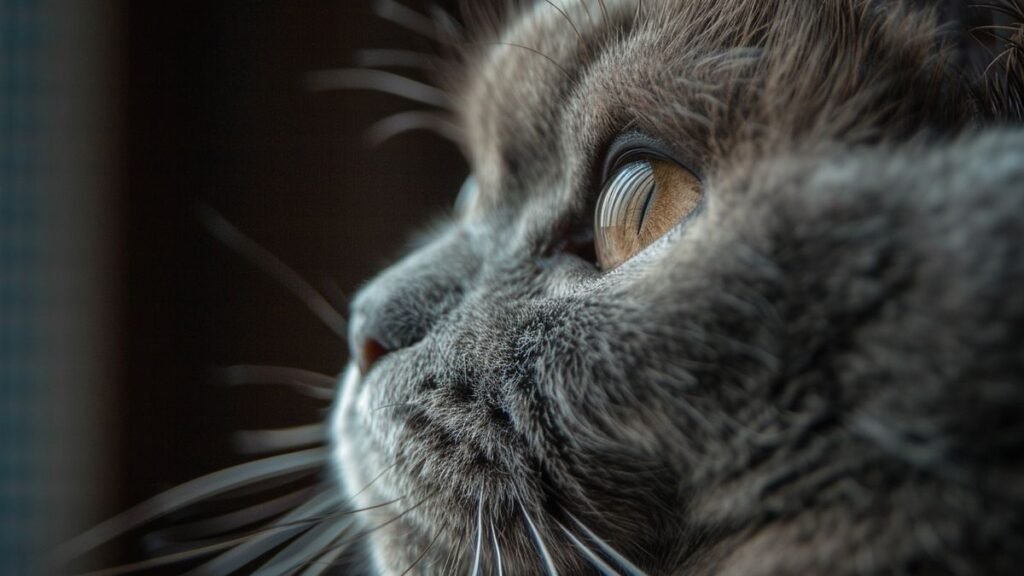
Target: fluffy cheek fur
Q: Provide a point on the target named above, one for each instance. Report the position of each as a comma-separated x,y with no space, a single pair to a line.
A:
717,397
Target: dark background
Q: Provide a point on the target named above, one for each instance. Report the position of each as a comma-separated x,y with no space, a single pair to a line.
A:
212,109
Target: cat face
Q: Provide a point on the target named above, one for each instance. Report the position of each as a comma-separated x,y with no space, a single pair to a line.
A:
748,370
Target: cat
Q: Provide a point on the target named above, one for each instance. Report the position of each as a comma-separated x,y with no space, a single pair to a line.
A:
732,289
791,341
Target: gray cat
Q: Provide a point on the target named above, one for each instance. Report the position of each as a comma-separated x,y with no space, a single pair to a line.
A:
799,346
734,288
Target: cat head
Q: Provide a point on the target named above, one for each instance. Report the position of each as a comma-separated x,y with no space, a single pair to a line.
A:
784,345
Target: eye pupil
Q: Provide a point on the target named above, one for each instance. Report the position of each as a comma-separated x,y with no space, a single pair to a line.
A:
646,207
642,201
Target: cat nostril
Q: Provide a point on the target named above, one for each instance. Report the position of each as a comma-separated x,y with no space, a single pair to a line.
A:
366,350
369,351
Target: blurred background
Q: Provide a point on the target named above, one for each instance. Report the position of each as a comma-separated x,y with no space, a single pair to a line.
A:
118,119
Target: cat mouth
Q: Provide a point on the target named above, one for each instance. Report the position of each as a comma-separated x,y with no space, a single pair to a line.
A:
368,428
422,483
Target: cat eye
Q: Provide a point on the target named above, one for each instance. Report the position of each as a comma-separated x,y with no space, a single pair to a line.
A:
641,202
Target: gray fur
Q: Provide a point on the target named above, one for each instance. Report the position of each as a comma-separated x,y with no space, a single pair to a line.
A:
820,373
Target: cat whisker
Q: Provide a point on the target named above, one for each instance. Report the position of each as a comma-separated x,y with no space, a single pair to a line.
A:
297,522
630,568
589,554
448,27
1010,11
341,518
579,37
479,535
997,28
348,542
426,549
409,19
312,532
384,58
305,548
392,406
263,259
313,384
996,60
497,549
586,8
232,521
265,441
538,53
324,561
604,11
378,81
192,491
549,563
200,549
373,480
397,124
169,559
451,560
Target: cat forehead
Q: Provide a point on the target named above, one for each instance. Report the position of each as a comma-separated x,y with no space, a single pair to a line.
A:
562,68
563,77
528,77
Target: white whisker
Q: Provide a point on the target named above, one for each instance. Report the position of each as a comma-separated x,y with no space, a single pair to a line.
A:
263,441
312,384
192,491
423,554
497,550
549,563
449,30
263,259
306,548
289,526
479,535
631,569
397,124
323,562
407,18
591,556
378,58
378,81
169,559
232,521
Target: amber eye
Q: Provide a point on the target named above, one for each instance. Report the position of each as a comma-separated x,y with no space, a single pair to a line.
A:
642,201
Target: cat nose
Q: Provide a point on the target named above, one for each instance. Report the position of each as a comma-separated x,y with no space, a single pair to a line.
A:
365,348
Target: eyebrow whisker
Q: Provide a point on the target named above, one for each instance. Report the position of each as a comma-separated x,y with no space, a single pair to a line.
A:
263,259
397,124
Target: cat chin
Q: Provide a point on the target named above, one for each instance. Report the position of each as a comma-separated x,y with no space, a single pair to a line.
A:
351,463
384,550
346,415
342,414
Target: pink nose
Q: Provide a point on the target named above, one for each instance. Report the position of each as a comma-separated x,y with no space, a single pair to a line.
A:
368,351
